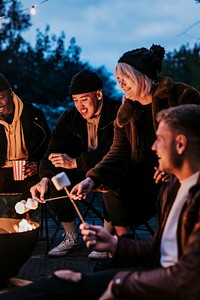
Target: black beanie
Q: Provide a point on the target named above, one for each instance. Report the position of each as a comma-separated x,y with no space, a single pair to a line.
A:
4,84
148,62
84,82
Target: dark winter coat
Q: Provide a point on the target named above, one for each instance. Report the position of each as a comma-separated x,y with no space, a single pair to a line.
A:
70,137
130,164
127,150
36,134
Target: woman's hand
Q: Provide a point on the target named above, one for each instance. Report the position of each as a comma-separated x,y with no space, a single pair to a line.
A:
83,188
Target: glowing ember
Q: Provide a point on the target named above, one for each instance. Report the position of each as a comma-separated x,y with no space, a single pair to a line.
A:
24,225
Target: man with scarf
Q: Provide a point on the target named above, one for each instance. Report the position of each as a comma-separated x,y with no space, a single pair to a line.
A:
24,135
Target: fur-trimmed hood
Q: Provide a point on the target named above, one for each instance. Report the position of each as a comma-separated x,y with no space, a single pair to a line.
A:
165,93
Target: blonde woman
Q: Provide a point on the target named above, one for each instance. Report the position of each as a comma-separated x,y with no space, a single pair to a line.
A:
129,167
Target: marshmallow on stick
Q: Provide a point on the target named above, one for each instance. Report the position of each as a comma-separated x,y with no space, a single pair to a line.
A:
20,207
61,181
31,203
23,206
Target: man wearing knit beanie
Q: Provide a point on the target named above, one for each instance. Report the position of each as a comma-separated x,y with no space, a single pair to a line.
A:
82,136
84,82
24,135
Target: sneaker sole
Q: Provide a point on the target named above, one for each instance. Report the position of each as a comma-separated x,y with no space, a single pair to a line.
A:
98,257
60,254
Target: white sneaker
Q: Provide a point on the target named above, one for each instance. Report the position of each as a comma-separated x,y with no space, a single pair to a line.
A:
70,243
98,255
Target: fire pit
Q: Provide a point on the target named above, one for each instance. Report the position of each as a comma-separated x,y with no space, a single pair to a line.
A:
15,247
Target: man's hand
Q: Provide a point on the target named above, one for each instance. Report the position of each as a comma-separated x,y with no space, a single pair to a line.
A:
62,160
68,275
30,169
107,295
98,238
83,188
160,176
39,190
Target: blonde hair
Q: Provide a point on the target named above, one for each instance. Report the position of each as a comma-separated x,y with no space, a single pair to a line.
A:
142,82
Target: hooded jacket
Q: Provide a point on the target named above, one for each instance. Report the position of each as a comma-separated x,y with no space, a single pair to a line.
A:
36,134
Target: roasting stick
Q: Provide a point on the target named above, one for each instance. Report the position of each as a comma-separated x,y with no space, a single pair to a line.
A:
75,206
24,206
62,181
55,198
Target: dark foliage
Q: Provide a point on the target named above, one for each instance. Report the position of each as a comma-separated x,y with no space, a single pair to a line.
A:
42,74
184,65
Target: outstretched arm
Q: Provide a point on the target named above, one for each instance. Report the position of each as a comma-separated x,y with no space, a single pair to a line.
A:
39,190
98,238
80,190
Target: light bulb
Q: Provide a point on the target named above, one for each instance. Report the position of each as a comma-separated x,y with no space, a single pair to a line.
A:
33,10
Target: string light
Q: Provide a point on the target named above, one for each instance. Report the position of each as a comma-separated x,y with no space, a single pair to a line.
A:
32,10
33,7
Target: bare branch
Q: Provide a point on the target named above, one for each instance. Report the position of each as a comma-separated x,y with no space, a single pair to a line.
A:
189,28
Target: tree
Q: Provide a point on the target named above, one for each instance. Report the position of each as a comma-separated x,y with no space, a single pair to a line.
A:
15,22
184,65
11,42
41,73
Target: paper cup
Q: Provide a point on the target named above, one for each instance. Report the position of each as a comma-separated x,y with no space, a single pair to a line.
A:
18,169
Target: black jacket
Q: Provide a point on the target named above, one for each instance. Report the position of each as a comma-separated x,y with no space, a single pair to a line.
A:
70,137
36,134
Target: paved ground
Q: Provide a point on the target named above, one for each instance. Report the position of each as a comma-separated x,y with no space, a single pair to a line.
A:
39,265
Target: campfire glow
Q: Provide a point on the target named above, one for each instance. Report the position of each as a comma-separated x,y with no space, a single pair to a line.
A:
24,225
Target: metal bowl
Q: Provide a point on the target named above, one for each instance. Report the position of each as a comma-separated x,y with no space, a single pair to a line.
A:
15,247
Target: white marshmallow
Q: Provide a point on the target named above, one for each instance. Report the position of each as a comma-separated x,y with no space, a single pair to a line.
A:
60,181
20,207
31,203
